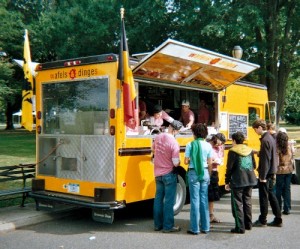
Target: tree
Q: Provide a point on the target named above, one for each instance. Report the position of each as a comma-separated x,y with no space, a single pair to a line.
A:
292,102
9,92
148,24
10,42
277,38
268,29
76,28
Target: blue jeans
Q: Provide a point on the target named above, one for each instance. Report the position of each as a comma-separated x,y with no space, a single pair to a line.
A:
199,214
283,191
164,201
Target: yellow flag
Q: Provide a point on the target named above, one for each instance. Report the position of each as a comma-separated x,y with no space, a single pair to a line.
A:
27,88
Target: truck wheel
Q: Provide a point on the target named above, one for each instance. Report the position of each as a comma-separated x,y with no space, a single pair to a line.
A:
180,195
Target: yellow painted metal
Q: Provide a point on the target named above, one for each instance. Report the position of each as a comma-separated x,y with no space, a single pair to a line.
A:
238,99
60,185
134,175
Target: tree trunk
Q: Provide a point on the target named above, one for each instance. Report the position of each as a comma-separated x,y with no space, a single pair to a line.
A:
9,117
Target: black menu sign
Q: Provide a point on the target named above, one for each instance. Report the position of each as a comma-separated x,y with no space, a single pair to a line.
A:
237,122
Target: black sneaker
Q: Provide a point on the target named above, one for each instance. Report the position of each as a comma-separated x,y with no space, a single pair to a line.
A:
235,230
172,230
192,233
286,212
259,224
275,224
248,227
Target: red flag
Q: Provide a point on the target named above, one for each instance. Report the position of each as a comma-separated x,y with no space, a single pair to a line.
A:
126,77
27,88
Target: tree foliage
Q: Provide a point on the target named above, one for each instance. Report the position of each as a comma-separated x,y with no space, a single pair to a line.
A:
76,28
10,90
267,30
11,26
6,73
291,112
11,30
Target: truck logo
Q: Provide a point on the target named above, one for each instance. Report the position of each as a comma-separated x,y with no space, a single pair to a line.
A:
59,75
72,74
214,61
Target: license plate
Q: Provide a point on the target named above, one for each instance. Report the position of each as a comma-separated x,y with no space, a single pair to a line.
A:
73,188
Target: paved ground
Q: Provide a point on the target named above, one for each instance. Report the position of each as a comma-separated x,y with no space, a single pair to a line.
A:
12,218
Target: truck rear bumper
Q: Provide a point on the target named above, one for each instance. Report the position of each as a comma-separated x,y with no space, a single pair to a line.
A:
48,199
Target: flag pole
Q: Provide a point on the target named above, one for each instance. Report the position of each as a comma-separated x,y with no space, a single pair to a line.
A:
126,79
122,12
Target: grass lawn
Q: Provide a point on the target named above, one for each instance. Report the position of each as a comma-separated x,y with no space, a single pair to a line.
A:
17,147
293,133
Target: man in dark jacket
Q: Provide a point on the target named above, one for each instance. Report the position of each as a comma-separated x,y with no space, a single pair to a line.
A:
267,176
240,178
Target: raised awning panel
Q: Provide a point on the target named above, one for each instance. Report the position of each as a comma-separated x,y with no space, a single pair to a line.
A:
181,64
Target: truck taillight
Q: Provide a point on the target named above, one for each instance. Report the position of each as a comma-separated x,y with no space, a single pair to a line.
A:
39,115
38,67
112,130
39,129
71,63
109,58
112,113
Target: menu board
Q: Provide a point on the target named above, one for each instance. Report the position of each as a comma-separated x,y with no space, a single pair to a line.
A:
237,122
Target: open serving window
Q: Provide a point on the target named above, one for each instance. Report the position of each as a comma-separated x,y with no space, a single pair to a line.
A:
181,64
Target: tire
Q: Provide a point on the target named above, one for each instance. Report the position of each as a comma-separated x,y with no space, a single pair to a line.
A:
180,195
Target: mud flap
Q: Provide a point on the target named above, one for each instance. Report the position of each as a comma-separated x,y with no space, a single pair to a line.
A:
105,216
45,205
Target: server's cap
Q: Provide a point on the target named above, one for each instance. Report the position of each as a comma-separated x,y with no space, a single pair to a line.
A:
185,102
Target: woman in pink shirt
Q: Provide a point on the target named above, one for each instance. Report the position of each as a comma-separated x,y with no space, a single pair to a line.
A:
158,117
217,142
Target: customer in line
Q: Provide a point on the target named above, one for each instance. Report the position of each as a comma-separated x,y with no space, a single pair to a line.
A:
198,156
217,142
240,179
166,156
267,176
284,171
272,129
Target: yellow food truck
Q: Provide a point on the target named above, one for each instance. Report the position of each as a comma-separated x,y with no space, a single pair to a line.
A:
87,157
